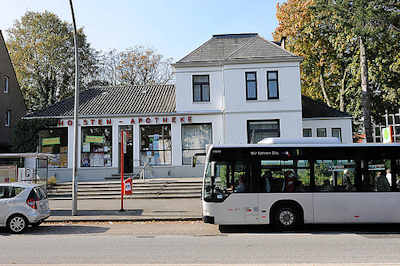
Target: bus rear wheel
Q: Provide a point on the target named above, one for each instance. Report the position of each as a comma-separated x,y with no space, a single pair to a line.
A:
286,217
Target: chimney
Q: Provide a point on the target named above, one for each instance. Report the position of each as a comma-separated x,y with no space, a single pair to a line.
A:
283,42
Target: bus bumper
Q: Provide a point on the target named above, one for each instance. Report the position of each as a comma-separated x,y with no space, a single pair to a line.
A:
208,219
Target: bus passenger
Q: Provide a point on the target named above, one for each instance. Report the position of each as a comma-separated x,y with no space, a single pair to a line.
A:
242,186
267,181
290,181
382,183
389,176
348,186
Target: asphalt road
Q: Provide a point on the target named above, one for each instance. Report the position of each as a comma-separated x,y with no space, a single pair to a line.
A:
195,242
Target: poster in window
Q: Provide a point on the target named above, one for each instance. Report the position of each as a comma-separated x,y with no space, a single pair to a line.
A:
96,159
94,139
50,141
86,147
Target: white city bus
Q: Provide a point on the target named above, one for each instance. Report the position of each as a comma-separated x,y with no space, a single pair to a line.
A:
301,183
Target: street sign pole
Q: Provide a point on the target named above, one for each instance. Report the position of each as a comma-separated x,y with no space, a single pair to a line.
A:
76,109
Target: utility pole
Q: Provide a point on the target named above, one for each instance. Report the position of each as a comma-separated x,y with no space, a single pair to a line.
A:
76,109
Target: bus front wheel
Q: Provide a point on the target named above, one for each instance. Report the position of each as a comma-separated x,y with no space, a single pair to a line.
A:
286,217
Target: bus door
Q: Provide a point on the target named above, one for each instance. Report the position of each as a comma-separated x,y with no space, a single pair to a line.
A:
241,204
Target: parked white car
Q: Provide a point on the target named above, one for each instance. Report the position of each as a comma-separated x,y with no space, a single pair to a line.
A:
22,204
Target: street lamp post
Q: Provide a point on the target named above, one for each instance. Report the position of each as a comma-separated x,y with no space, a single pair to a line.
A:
76,109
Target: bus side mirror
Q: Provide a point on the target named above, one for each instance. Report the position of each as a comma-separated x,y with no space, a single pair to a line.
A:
194,161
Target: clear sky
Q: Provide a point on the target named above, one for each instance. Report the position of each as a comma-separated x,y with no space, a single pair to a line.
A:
173,28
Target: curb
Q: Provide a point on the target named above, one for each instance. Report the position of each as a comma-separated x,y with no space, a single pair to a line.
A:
155,219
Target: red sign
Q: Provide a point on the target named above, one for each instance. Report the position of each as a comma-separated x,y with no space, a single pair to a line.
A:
128,186
138,120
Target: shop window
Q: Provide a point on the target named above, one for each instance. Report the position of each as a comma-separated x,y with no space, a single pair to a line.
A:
272,83
96,147
195,137
321,132
259,130
201,88
307,132
337,133
335,175
251,85
55,141
155,145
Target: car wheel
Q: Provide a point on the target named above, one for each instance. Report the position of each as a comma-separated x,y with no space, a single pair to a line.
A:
17,224
286,218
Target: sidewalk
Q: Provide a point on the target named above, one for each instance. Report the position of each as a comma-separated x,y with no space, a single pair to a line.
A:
135,210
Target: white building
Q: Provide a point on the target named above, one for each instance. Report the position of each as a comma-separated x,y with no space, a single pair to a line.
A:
233,89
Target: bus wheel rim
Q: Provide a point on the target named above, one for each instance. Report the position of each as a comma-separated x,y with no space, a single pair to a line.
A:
17,224
286,217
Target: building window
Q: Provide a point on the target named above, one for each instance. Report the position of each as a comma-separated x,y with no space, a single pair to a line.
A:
251,85
272,83
96,147
7,120
195,137
321,132
201,88
261,129
5,84
307,132
337,133
155,145
55,141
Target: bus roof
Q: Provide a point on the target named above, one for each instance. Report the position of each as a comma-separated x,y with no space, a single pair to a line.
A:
299,145
317,140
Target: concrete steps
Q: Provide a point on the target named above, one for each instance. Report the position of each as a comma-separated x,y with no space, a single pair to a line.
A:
147,189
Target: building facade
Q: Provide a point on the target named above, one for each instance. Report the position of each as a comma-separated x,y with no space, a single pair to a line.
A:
12,105
233,89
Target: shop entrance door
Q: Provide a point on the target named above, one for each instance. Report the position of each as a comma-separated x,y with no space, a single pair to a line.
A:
128,155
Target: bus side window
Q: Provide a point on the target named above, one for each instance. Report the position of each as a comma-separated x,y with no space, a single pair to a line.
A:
379,176
335,175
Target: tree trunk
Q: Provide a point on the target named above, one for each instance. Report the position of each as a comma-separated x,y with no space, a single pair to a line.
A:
365,95
342,89
322,84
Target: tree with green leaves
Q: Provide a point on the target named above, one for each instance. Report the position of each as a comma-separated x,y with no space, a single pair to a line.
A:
42,51
346,45
368,21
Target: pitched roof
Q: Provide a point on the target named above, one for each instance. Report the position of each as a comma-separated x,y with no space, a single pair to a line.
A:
314,109
146,99
236,48
115,100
